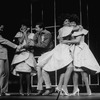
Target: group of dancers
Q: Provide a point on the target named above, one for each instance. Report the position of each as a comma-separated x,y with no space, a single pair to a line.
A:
71,53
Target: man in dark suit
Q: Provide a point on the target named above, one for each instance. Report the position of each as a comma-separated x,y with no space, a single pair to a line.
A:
4,66
42,43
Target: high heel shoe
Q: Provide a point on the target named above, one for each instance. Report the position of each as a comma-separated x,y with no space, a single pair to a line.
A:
22,94
27,94
57,89
64,92
76,92
89,93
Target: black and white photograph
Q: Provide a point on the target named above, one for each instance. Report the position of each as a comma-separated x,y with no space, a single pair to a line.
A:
49,50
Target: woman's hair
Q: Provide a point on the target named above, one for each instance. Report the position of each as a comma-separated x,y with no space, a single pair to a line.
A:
62,18
74,18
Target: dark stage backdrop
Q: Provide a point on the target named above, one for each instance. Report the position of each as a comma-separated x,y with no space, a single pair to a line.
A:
14,12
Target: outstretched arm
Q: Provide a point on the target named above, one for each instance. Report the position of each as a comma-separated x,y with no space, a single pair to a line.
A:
8,43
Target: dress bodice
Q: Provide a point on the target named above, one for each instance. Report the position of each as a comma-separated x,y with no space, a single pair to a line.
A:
82,32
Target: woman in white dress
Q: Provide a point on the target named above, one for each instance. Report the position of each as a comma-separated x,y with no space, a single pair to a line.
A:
24,62
60,56
83,59
84,62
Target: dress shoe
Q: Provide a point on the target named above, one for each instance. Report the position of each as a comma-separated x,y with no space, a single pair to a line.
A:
65,93
89,92
57,89
5,94
48,91
22,94
76,92
40,92
28,94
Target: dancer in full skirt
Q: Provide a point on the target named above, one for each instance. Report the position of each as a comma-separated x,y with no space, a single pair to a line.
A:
83,59
24,62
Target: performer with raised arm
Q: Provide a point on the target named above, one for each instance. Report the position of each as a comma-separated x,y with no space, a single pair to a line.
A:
24,62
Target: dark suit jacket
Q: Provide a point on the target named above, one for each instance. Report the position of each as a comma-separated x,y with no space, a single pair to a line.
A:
43,41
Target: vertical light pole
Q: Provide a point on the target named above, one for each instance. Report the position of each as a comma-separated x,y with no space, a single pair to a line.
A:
55,21
80,4
31,17
88,35
87,22
42,11
55,35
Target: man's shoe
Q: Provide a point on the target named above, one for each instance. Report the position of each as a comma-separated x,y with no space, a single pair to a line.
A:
48,91
40,92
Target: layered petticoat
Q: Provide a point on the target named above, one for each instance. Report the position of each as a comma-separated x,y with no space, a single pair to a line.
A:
24,62
56,59
84,59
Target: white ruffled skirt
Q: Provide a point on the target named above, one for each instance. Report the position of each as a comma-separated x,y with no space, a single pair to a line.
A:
23,62
56,59
83,57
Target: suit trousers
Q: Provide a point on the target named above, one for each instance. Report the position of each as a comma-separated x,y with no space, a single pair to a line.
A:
4,75
43,76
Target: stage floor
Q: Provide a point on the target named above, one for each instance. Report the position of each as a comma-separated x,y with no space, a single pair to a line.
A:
82,96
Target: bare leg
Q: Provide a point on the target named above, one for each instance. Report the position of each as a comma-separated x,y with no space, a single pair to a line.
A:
21,83
61,81
28,82
85,79
66,78
75,81
59,87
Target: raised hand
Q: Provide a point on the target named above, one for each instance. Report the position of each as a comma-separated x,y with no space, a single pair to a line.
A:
19,47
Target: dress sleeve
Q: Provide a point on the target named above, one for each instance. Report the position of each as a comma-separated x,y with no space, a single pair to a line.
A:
83,31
